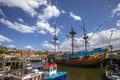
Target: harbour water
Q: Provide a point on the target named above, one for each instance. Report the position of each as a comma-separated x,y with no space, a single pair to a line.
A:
77,73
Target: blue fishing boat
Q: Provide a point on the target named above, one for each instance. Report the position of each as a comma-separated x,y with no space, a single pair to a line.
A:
50,72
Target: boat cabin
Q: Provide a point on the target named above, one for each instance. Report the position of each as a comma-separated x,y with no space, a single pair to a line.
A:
49,69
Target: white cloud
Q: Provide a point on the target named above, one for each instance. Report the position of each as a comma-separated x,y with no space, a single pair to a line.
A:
28,47
75,17
49,12
100,39
118,23
42,31
48,46
62,26
63,11
4,39
2,13
17,26
65,46
20,19
11,46
44,26
116,11
28,6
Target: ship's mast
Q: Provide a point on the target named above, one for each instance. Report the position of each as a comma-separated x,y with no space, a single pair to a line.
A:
72,32
55,41
85,37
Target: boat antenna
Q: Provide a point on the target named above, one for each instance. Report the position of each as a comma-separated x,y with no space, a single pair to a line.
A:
55,40
85,37
110,37
72,33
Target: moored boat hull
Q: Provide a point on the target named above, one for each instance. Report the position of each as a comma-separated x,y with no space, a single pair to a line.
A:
112,72
93,58
58,76
90,61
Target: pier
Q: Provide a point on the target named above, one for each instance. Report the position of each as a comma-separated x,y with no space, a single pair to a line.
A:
113,58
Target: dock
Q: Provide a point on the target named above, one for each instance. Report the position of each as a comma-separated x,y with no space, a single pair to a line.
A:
113,58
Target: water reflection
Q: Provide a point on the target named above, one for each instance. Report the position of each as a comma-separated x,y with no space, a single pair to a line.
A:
77,73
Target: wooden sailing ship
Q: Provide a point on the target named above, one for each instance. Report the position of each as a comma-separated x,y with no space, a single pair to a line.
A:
84,58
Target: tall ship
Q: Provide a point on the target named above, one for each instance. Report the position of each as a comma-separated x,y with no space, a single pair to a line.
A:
83,58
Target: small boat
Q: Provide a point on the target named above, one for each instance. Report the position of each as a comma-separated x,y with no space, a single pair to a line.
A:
27,72
36,64
35,74
112,72
28,66
3,68
50,72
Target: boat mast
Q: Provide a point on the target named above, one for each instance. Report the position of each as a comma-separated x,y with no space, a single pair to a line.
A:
4,65
85,37
23,68
55,40
72,32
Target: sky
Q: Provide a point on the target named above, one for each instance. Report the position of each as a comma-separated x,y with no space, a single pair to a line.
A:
29,24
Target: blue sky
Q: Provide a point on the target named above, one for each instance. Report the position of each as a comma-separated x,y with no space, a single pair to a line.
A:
29,24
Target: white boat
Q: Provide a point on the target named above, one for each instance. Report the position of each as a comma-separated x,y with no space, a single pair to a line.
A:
112,72
35,74
50,72
27,72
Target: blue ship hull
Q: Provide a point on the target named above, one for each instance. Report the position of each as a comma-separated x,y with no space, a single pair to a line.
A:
58,76
92,58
